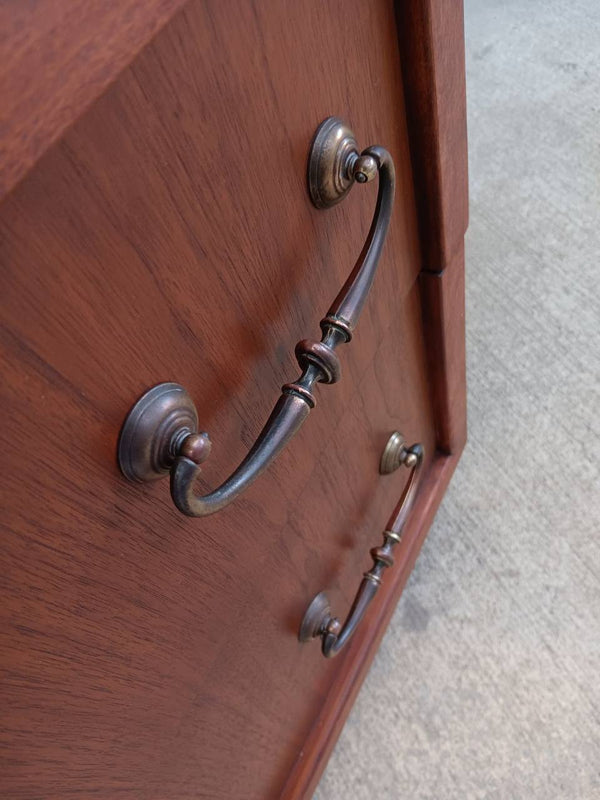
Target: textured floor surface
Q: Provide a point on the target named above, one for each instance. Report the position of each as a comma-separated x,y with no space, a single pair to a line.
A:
487,684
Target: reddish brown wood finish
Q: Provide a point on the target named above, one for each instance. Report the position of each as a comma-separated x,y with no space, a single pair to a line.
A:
430,33
443,296
168,236
318,746
57,57
431,39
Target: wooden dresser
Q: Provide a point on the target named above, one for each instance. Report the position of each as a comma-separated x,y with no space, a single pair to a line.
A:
162,225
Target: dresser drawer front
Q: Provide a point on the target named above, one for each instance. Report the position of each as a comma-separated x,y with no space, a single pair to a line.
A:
169,236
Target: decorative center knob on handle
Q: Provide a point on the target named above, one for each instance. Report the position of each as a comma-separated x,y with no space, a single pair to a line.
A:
318,621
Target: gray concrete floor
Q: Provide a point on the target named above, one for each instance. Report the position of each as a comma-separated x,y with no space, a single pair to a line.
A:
487,684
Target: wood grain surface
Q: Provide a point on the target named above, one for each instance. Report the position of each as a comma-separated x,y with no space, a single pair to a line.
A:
57,58
169,236
431,36
443,296
307,770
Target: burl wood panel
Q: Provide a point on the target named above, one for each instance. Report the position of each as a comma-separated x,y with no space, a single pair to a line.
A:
169,236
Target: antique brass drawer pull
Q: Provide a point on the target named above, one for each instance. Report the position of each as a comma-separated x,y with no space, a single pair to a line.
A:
318,620
160,433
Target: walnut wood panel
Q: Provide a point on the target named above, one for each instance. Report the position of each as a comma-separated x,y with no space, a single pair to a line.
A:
431,35
57,57
444,327
304,777
168,236
443,318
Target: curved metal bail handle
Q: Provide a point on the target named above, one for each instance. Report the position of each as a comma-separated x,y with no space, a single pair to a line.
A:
318,620
288,415
348,304
318,360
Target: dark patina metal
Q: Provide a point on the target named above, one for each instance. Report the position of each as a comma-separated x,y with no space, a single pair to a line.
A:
154,432
318,621
160,432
